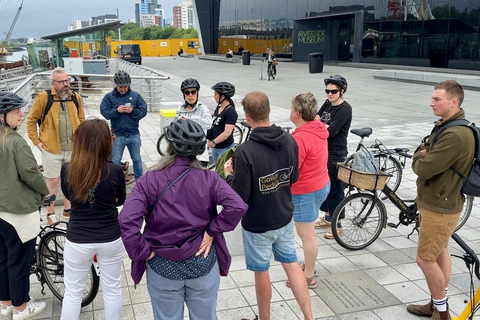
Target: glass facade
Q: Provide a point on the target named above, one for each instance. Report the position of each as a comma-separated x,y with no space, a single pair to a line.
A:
442,33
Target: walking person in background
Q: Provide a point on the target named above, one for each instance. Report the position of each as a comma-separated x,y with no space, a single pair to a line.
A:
182,247
337,115
21,189
125,108
58,121
272,62
313,184
95,186
195,110
220,135
261,172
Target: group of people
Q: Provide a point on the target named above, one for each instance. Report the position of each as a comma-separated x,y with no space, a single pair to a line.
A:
170,225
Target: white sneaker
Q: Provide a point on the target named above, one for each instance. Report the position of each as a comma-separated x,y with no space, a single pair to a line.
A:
31,309
6,310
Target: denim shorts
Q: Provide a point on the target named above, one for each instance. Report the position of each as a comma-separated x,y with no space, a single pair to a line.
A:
258,247
306,205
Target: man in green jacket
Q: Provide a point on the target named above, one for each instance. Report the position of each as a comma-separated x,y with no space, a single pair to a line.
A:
439,199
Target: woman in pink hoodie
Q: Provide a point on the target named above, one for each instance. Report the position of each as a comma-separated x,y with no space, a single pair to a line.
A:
313,183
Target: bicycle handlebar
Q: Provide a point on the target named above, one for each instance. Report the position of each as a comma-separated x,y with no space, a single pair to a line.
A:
469,253
48,199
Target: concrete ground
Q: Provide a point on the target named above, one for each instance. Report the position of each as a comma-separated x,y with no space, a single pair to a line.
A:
374,283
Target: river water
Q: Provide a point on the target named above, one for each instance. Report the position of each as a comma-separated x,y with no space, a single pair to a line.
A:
17,56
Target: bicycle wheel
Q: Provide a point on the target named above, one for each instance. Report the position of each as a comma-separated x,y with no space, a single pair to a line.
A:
50,262
237,135
162,145
363,221
467,209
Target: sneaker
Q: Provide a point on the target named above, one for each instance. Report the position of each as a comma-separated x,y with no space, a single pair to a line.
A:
329,234
66,213
323,223
6,310
52,219
31,310
421,310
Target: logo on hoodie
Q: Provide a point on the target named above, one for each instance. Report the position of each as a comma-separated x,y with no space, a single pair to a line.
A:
271,182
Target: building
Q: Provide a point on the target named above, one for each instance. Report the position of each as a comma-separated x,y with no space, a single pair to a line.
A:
93,21
409,32
78,24
177,17
145,8
183,15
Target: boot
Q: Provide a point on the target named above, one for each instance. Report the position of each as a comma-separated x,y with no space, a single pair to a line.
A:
425,310
437,315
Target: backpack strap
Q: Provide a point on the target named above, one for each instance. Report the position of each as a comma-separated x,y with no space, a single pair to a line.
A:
51,100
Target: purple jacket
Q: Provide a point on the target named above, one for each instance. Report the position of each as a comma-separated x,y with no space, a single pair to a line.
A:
176,225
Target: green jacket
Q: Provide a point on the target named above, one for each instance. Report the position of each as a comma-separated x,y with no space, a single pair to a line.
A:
22,185
438,187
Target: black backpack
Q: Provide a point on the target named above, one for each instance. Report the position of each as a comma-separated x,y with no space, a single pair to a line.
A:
50,101
471,183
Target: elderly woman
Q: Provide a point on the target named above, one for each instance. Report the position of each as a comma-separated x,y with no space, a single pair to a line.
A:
313,184
21,190
182,247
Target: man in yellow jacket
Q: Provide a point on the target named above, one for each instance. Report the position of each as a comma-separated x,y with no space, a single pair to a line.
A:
53,136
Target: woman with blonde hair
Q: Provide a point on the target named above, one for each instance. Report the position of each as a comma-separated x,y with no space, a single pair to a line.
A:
95,186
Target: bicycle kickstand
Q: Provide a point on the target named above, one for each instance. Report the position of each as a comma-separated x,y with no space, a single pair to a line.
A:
415,228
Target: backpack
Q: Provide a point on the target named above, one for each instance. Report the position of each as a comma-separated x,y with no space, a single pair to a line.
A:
470,183
364,161
50,101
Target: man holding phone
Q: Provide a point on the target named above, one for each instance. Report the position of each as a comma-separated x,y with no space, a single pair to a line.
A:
124,108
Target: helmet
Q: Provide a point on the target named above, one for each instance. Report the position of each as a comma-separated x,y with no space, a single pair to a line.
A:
225,88
338,80
10,101
122,78
186,137
190,83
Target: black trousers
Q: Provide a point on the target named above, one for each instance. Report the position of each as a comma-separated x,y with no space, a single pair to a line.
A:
336,194
16,258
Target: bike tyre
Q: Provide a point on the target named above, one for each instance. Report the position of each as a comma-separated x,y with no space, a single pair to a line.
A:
467,209
46,254
237,135
162,145
346,237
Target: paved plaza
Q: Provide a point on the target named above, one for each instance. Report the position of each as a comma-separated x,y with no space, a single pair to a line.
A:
374,283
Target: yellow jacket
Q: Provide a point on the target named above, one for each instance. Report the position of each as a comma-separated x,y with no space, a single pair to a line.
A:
49,135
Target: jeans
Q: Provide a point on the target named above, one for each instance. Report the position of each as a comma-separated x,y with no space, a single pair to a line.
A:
217,152
16,258
168,296
78,258
306,205
336,194
133,143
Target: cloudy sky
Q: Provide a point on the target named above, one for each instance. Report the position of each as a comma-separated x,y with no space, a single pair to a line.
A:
43,17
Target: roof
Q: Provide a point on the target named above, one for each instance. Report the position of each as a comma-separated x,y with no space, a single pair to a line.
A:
104,26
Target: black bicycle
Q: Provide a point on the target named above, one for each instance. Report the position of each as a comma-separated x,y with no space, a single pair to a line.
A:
48,262
271,74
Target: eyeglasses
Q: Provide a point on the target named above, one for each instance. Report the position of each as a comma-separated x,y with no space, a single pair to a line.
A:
192,92
62,81
334,91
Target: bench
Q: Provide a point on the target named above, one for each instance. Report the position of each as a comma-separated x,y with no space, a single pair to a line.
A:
187,55
220,58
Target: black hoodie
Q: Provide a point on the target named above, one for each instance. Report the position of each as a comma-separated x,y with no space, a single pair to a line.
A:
265,167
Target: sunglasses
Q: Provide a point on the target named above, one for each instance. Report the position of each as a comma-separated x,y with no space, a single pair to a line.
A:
192,92
334,91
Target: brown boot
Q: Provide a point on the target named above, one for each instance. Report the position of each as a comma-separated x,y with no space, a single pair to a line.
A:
437,315
422,310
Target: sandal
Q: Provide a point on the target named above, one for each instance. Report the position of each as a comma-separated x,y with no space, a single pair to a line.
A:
302,264
329,234
323,223
311,283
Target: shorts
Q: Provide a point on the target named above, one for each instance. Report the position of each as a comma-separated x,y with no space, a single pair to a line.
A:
435,231
52,163
306,205
258,247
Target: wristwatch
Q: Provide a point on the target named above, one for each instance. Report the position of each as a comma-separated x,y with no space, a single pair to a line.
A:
214,143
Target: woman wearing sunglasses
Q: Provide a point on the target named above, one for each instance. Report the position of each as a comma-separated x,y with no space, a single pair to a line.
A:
337,115
194,110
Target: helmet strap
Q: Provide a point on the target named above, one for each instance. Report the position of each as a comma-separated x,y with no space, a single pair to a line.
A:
192,105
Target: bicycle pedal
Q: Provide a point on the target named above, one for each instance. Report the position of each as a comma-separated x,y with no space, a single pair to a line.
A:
392,225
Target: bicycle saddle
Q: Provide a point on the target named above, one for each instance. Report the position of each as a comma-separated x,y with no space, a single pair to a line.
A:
245,124
362,133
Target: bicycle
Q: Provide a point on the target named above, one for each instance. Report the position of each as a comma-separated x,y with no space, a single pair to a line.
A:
270,71
472,263
365,214
242,128
48,261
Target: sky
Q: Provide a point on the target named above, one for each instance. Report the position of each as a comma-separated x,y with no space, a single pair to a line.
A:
44,17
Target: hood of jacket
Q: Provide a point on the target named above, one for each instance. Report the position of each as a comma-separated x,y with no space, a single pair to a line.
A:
314,127
272,136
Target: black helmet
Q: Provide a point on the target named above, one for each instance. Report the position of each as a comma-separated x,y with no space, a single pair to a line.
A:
186,137
10,101
122,78
338,80
225,88
190,83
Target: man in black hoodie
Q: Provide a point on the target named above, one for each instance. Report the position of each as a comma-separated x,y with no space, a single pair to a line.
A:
265,167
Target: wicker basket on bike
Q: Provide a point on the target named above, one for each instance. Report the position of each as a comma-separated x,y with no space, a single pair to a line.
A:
360,179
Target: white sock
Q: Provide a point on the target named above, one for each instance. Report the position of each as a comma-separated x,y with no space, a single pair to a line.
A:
441,304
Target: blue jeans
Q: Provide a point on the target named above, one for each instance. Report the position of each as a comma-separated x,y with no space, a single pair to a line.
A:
217,152
306,205
133,143
168,296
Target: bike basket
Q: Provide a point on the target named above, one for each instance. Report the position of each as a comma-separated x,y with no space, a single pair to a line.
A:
362,180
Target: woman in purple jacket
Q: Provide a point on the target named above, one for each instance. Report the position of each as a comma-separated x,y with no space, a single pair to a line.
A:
182,247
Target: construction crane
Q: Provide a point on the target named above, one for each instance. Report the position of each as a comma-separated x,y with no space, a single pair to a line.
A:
9,33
